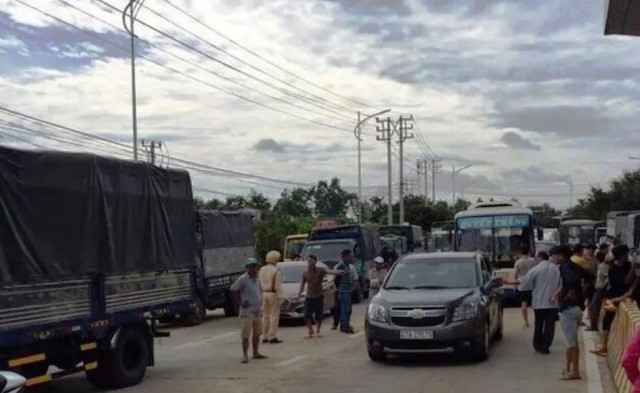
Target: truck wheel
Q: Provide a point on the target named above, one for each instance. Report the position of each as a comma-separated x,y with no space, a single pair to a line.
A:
231,308
195,317
125,365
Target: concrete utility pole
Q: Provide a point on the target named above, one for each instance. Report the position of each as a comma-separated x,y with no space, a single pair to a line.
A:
454,172
132,13
386,130
357,131
423,169
150,145
435,169
568,180
403,135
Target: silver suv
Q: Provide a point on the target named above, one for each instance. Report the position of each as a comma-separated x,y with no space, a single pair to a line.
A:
435,303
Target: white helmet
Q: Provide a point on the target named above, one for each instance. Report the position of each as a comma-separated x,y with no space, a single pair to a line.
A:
379,260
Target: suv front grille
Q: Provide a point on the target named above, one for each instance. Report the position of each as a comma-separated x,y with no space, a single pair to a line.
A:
422,322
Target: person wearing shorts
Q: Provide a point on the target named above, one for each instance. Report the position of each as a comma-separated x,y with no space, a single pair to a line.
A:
571,301
521,268
313,279
248,291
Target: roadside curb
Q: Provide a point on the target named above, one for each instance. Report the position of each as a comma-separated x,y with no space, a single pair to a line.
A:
594,380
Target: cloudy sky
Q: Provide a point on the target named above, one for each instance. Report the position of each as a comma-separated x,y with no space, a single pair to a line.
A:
523,90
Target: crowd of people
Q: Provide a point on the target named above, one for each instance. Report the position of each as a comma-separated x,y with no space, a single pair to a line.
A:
259,295
575,285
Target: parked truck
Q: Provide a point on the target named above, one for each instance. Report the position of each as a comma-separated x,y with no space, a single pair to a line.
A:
225,241
93,251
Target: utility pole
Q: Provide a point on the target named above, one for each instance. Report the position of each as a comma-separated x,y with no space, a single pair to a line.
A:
150,145
131,9
386,133
357,132
423,169
454,172
403,135
568,180
435,169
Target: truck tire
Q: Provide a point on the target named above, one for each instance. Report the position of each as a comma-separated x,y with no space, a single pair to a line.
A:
126,364
195,317
230,307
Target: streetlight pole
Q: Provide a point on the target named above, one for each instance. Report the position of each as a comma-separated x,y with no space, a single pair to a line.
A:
133,12
568,180
454,172
357,131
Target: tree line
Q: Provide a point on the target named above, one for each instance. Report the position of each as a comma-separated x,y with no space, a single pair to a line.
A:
296,209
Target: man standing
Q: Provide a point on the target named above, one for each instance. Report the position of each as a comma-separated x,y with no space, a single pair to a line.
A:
543,280
271,281
377,275
346,285
314,301
249,292
571,301
522,267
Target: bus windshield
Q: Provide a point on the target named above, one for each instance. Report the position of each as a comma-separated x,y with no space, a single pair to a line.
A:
503,237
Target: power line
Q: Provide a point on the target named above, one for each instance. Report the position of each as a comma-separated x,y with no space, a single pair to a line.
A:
189,76
263,58
315,98
195,64
174,159
227,65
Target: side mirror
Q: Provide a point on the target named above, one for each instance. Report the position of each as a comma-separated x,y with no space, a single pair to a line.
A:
11,382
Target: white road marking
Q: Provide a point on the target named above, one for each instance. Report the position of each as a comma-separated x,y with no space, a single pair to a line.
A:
290,361
206,341
594,383
359,334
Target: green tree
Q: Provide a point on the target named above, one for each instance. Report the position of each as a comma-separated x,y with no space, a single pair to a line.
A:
543,214
213,204
235,203
331,200
294,203
258,201
624,194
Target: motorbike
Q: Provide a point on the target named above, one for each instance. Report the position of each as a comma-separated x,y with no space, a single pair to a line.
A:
11,382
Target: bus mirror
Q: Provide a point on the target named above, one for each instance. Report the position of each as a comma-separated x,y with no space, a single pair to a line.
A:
540,233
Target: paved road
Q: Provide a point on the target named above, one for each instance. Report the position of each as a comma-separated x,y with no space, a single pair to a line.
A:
206,359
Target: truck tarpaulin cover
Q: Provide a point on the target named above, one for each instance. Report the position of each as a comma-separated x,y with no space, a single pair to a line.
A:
65,215
226,241
225,229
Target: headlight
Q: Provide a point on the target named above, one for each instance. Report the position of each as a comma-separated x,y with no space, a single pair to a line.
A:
377,312
465,311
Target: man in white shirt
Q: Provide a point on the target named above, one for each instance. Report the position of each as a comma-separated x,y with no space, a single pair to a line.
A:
544,281
522,266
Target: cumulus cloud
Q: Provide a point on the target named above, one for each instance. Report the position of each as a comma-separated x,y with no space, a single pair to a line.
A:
517,141
269,145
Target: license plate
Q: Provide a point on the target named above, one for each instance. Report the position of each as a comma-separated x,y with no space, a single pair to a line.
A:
416,335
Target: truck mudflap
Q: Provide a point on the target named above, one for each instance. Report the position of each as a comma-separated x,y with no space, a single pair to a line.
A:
34,367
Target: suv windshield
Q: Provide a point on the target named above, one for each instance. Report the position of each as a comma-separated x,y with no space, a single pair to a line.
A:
433,273
329,251
292,273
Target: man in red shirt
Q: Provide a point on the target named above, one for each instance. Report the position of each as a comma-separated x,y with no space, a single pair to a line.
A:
313,278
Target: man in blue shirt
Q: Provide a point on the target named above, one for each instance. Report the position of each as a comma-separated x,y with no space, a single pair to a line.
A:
249,292
346,282
544,281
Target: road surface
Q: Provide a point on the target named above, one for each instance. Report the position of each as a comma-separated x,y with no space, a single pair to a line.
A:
206,358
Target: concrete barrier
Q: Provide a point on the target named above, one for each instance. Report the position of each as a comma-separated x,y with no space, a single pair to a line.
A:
626,322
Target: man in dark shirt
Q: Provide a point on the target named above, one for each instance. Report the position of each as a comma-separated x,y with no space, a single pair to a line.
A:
571,302
313,278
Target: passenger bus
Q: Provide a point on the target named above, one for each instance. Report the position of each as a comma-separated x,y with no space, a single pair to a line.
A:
579,231
498,229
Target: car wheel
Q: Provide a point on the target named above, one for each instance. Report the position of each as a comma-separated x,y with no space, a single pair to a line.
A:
481,350
377,356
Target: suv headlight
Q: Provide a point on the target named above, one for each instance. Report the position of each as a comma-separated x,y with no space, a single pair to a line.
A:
465,311
377,312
